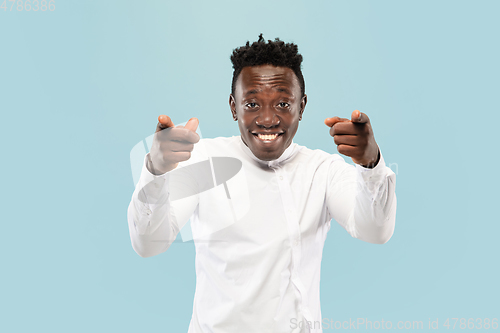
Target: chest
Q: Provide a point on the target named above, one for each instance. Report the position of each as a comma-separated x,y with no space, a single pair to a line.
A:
260,205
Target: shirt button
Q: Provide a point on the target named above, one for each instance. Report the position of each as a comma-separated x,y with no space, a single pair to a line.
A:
148,212
281,177
296,243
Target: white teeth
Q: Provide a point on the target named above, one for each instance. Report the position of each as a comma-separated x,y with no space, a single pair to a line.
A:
267,137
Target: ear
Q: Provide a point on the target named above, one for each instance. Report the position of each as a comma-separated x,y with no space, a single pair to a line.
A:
302,106
232,106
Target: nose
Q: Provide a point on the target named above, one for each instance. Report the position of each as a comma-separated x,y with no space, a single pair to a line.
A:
267,118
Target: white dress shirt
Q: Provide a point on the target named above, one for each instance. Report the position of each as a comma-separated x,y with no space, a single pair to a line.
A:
259,237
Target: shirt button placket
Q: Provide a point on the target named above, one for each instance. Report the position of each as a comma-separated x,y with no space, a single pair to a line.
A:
294,229
293,225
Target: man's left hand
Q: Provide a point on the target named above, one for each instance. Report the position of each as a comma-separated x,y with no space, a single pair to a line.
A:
354,138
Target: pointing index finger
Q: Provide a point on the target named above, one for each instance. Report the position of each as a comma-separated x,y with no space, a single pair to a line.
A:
192,124
187,132
332,121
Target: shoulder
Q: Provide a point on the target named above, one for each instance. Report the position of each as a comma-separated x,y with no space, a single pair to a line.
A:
321,162
316,156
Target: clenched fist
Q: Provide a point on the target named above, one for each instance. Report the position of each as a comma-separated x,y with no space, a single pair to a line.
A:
171,144
354,138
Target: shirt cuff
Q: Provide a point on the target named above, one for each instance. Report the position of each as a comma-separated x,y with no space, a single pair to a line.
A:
152,185
372,177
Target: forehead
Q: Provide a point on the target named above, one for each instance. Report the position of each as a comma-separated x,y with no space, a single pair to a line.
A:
267,77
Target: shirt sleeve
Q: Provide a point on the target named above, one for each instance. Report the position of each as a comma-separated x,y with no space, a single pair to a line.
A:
362,200
153,225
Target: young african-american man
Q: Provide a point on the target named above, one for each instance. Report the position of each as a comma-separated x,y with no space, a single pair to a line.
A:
259,236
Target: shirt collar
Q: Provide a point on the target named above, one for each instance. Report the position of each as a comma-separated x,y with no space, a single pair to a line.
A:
289,152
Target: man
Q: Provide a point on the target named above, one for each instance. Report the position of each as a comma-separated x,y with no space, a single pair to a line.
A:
259,237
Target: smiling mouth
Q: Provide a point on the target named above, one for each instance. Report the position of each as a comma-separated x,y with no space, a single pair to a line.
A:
267,137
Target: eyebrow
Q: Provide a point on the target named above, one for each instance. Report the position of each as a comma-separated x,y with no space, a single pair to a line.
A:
280,89
252,92
285,90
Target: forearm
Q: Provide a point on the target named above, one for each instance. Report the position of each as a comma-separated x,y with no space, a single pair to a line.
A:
374,213
151,232
363,200
152,225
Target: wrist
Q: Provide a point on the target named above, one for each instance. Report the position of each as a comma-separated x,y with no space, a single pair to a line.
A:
372,164
155,170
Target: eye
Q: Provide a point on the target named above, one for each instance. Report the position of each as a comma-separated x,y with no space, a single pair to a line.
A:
283,105
251,105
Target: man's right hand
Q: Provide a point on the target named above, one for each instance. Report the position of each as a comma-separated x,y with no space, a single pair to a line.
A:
171,145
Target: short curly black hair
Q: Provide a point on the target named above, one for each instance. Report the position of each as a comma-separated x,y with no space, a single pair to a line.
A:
275,53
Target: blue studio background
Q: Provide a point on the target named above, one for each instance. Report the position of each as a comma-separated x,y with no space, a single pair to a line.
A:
82,84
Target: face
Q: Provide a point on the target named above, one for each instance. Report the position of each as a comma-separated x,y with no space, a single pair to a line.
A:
268,106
